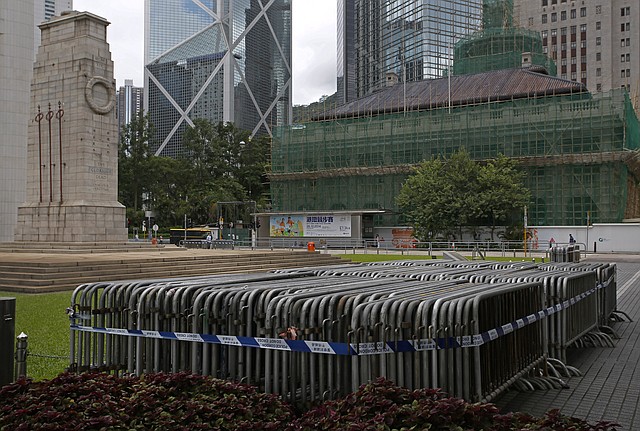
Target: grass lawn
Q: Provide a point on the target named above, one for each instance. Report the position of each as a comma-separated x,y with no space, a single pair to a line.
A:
43,318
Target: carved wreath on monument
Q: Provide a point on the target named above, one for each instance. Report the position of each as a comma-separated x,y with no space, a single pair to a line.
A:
88,95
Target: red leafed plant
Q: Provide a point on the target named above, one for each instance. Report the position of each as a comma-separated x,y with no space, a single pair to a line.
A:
182,401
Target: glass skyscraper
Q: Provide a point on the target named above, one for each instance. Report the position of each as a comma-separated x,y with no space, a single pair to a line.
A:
221,60
44,10
403,40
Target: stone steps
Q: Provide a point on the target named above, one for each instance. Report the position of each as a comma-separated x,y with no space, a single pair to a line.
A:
57,273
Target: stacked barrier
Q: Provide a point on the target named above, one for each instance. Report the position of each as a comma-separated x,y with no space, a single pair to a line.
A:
565,253
309,334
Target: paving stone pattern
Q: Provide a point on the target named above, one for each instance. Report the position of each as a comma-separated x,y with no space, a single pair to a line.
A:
610,386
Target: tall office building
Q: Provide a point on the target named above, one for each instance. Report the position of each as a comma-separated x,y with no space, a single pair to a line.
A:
594,42
403,40
19,41
222,60
130,103
16,68
44,10
346,62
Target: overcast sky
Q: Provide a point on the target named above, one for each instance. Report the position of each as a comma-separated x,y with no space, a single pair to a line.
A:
314,43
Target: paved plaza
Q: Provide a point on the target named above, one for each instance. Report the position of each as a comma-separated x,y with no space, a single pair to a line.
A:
609,388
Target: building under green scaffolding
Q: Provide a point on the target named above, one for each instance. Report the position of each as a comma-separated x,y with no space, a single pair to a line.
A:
579,150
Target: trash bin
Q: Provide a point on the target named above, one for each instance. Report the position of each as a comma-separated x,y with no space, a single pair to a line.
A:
7,339
311,246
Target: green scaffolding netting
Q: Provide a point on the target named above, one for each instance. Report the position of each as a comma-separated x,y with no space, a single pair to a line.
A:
574,149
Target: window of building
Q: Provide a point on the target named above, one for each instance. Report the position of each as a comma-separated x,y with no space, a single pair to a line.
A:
544,2
628,57
573,29
530,21
622,73
598,71
628,73
554,48
554,1
625,11
622,27
583,11
563,76
545,50
598,9
628,41
598,87
583,59
573,45
574,60
574,76
563,47
598,41
583,28
598,25
564,61
545,33
573,13
554,32
563,15
598,56
554,17
544,18
563,31
622,58
583,74
583,44
628,26
622,42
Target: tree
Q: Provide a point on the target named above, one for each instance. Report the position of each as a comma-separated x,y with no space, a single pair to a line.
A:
133,157
502,191
225,164
218,163
443,196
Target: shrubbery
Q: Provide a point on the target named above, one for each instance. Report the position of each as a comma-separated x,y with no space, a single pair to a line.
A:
185,402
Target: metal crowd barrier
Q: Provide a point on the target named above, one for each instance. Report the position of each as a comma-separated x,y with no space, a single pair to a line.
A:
473,329
216,244
565,253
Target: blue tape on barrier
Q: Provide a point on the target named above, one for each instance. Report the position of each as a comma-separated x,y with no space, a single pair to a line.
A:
344,349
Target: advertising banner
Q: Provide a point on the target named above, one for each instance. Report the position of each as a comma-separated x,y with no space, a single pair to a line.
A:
328,225
311,225
291,226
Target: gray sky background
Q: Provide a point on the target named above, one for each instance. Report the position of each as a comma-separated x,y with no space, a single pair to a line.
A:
314,43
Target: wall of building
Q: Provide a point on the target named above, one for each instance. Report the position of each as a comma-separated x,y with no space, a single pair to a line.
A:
16,52
592,41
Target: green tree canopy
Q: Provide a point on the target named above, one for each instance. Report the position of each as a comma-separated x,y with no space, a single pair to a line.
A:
219,163
444,196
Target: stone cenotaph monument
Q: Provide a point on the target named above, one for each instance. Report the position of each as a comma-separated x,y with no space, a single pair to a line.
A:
72,150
